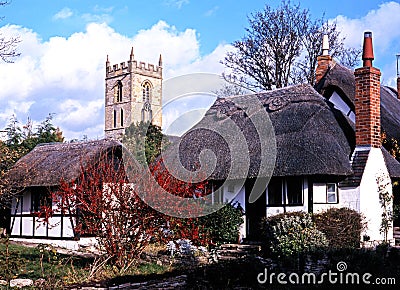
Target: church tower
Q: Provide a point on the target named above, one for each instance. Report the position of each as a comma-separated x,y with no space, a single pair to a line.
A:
133,93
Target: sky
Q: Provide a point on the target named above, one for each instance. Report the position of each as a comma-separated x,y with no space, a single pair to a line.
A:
64,46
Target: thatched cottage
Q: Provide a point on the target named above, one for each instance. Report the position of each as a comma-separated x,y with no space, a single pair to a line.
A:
328,145
40,172
323,150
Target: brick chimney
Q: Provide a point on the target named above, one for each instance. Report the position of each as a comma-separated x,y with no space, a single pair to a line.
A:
324,60
367,99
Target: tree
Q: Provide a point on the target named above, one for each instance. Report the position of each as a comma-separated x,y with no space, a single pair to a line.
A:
144,140
27,138
8,45
109,208
21,140
281,47
305,66
230,89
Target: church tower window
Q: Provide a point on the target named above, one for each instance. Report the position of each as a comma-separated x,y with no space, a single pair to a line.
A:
146,91
122,117
118,92
147,113
115,118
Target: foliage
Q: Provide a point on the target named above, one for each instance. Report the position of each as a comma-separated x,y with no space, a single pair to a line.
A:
220,227
223,225
21,140
281,47
144,140
391,144
40,262
292,234
109,208
386,200
341,226
184,247
181,228
27,138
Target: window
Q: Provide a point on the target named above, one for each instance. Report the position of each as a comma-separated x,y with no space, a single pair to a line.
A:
275,192
118,92
285,191
218,196
331,193
147,113
146,91
122,117
39,199
294,191
115,118
325,193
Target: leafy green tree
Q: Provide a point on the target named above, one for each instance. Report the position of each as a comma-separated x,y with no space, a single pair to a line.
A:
144,140
21,140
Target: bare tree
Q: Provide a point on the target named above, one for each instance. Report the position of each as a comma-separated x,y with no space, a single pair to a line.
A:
8,45
281,47
268,51
304,71
231,88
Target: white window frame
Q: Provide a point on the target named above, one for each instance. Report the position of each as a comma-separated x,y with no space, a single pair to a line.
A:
330,193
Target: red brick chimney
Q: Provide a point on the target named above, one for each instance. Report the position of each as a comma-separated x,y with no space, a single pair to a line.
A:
367,99
324,60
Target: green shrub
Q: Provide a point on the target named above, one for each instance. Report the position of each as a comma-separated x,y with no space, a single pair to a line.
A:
341,226
223,225
292,234
220,227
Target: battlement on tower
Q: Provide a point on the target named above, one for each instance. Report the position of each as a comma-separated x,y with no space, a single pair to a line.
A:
133,66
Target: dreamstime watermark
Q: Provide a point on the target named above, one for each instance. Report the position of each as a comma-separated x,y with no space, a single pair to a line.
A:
339,277
249,114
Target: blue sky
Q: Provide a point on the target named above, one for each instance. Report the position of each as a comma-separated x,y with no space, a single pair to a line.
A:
65,43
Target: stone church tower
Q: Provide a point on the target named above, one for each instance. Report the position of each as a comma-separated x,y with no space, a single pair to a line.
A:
133,93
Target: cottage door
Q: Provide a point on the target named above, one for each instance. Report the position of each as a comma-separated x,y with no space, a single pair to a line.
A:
255,212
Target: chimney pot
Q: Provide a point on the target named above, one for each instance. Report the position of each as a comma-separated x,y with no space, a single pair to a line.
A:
368,51
325,45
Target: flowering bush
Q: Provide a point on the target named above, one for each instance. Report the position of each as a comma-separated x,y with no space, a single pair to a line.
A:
293,234
184,247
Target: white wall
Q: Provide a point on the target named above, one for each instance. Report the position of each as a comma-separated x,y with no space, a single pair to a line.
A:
37,229
347,197
370,206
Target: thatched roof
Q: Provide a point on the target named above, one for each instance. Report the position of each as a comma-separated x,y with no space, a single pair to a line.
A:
310,139
48,164
392,164
342,80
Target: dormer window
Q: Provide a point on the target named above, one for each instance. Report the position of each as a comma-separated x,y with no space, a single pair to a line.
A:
341,105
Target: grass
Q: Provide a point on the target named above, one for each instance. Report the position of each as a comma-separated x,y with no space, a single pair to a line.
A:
39,262
58,269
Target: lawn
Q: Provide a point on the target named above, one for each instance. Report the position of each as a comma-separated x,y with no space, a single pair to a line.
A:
17,261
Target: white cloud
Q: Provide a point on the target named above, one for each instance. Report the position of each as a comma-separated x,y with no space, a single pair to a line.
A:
65,76
177,3
63,14
211,12
384,23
